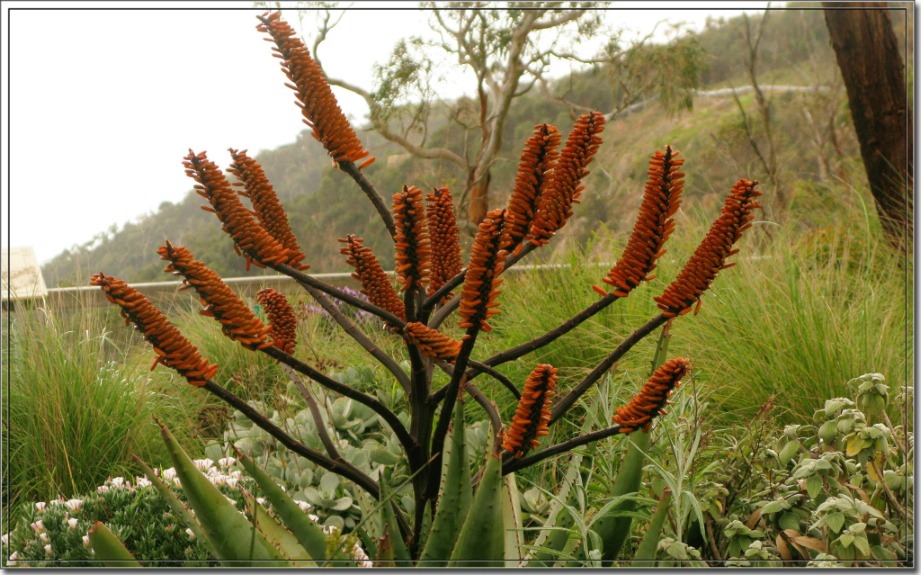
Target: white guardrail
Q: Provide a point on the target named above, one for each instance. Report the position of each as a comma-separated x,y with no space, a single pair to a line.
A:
68,297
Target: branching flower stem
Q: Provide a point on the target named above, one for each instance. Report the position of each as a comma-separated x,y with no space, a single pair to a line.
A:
510,464
476,368
513,353
368,188
444,311
308,280
359,336
322,432
447,407
409,444
421,414
561,407
340,467
539,342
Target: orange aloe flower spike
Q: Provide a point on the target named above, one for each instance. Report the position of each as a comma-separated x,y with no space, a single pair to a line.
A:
282,323
534,174
654,224
710,256
653,397
268,209
374,281
250,238
317,102
172,348
532,417
238,322
431,342
412,243
481,284
444,237
555,205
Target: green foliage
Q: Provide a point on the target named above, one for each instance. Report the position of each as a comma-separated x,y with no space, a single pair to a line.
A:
75,410
816,309
136,514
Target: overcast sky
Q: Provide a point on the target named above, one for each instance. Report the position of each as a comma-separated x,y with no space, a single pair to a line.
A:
106,102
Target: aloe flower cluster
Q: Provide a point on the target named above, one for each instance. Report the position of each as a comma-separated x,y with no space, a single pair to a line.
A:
447,522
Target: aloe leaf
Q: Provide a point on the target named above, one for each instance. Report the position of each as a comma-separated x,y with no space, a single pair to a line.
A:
481,542
391,532
235,542
109,549
178,507
384,554
645,555
282,539
308,533
454,503
614,529
511,513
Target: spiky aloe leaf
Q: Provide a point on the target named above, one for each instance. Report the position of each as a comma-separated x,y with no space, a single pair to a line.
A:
235,542
308,533
109,549
615,527
275,533
481,542
645,555
384,554
178,507
511,514
456,494
391,531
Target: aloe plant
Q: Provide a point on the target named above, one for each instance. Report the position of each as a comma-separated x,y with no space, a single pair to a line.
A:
457,516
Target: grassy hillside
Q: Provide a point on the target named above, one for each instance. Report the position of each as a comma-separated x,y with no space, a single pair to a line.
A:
816,155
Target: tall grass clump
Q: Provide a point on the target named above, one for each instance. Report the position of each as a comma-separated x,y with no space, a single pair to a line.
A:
799,319
75,410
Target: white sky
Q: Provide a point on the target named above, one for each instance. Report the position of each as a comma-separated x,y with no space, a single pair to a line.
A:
105,103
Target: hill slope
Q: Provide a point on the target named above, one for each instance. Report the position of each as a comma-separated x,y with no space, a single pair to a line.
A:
813,135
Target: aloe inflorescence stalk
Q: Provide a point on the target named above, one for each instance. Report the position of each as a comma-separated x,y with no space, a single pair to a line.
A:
268,210
534,170
654,224
173,349
250,238
555,204
481,285
431,342
317,101
443,234
237,320
533,414
653,397
282,322
710,256
374,281
413,247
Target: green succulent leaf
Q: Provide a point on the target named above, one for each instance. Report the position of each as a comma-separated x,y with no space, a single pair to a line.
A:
308,533
230,533
109,549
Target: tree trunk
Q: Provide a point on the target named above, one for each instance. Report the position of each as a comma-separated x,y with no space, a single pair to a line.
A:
868,55
478,200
